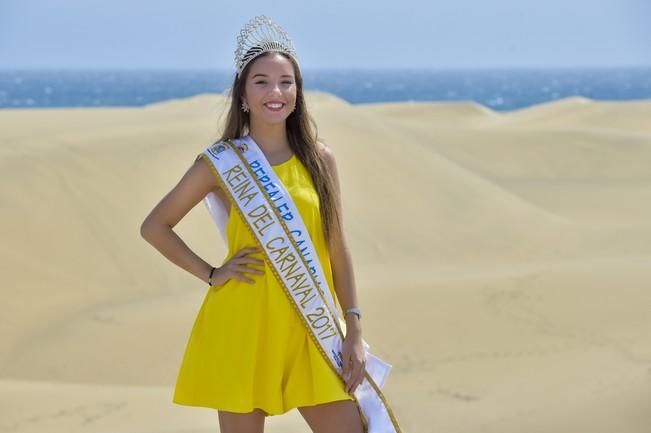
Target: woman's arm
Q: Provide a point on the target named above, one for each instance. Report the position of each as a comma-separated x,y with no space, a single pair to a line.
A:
157,226
340,257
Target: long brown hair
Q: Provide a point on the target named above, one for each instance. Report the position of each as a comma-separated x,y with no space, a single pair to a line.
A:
302,133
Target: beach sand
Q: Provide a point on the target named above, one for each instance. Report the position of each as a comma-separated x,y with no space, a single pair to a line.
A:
502,262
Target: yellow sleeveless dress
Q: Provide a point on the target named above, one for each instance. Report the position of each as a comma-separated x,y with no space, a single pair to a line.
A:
248,348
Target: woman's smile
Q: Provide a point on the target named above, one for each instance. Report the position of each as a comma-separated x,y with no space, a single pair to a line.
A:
274,106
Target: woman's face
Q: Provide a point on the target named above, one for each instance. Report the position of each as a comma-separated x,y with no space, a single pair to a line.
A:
270,82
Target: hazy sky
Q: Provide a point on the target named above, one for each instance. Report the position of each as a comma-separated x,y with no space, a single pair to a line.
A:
328,34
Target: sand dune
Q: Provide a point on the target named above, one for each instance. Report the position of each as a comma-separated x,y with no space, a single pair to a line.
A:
510,251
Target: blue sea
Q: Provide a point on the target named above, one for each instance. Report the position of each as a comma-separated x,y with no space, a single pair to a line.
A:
498,89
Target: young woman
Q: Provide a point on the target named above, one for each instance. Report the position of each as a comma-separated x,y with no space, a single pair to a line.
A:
249,354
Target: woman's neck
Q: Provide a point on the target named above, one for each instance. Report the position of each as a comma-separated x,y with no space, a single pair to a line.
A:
272,139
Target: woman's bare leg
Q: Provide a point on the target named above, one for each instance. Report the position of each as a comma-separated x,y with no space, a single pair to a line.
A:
333,417
233,422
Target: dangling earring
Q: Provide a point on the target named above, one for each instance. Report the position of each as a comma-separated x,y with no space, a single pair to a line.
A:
245,107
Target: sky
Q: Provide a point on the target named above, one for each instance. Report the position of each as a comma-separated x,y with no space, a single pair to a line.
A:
335,34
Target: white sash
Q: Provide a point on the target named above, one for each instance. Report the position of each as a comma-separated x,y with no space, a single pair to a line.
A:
262,201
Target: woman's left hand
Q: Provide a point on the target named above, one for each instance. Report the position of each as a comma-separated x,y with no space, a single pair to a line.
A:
354,359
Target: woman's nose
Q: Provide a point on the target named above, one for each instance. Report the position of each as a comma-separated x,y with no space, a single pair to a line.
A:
276,88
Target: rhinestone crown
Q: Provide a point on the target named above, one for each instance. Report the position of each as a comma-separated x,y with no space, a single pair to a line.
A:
261,35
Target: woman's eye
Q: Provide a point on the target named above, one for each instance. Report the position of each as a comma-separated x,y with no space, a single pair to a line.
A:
263,82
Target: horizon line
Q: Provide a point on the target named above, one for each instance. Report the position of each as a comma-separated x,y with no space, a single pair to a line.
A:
337,69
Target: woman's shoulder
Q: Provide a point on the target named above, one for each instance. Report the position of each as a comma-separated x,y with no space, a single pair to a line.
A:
323,149
327,154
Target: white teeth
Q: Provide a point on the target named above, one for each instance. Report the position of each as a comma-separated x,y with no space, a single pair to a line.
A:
274,105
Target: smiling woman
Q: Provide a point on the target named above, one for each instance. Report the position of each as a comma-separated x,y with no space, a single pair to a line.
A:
252,351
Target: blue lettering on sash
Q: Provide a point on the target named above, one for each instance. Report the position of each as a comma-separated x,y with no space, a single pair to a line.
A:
277,197
338,358
272,189
309,261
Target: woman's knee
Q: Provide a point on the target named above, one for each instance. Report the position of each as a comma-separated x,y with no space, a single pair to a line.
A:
236,422
340,416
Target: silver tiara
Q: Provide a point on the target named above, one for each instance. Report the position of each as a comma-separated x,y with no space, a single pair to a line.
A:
261,35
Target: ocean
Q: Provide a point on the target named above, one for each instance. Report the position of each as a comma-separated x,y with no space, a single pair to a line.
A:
497,89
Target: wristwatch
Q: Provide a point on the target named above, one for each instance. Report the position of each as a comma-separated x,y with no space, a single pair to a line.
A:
356,311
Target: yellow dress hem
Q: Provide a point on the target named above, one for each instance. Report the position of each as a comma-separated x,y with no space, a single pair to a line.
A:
268,411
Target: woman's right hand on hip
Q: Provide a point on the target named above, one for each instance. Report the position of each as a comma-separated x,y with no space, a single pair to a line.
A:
236,267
